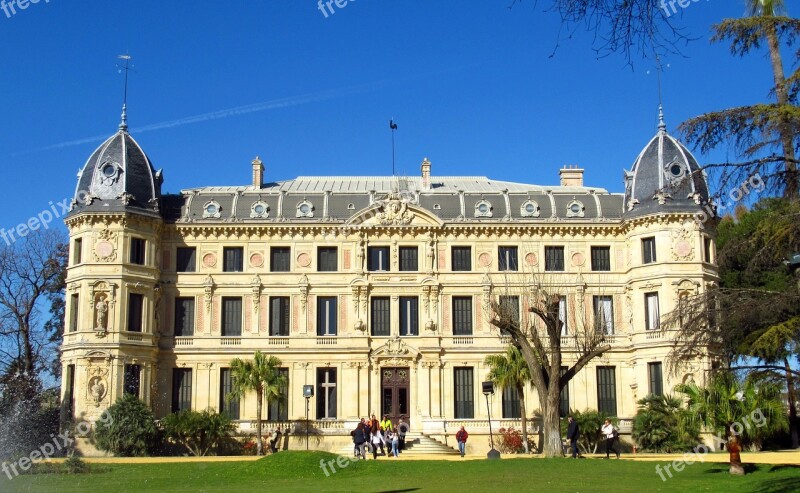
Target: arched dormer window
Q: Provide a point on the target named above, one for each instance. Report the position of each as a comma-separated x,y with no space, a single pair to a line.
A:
305,209
259,209
575,209
212,209
483,209
529,208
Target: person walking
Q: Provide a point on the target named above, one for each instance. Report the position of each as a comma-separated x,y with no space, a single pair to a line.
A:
611,435
375,428
394,437
461,438
402,429
386,427
360,440
377,441
573,433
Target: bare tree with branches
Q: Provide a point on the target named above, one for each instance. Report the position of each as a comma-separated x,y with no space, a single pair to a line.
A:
543,342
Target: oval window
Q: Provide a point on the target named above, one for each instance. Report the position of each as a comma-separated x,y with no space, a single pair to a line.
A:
211,209
259,209
575,208
108,170
530,208
676,169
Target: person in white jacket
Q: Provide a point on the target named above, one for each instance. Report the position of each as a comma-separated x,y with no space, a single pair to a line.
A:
611,435
377,441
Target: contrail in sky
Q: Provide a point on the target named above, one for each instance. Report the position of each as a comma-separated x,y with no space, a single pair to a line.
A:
216,115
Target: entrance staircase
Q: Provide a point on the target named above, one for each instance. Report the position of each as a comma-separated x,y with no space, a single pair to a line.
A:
417,445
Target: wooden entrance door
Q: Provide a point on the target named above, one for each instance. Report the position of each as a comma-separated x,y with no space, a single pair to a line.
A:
395,390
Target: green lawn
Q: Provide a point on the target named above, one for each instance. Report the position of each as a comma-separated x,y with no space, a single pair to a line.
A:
300,471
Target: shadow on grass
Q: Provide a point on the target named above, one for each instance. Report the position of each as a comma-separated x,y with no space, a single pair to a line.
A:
725,468
399,491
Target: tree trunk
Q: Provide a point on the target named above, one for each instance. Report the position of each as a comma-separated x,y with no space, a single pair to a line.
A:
782,95
792,404
552,446
523,413
259,444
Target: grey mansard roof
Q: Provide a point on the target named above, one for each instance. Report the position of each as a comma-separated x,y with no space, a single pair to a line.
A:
118,177
665,177
339,198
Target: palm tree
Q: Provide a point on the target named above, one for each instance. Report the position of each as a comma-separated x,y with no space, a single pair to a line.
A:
260,375
748,410
510,370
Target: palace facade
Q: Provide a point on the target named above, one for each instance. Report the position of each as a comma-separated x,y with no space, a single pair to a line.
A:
374,290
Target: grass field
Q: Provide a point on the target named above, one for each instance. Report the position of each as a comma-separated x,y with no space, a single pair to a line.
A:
300,471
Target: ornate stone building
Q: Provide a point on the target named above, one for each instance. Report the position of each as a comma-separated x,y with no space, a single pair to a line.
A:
374,290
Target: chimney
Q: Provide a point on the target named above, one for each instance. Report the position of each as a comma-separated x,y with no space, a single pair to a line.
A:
426,174
258,173
571,176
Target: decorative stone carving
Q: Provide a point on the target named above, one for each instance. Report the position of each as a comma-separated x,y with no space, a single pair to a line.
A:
209,260
303,283
530,259
485,259
257,259
255,286
208,288
105,249
578,259
682,248
394,211
101,314
303,259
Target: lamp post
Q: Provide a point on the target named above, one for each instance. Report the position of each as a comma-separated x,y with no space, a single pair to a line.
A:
308,393
488,389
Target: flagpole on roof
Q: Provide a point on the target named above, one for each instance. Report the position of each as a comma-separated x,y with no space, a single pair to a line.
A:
393,127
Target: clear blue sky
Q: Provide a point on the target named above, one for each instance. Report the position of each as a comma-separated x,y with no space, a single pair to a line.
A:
471,85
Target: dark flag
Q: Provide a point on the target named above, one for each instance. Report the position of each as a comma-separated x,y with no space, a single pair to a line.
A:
392,125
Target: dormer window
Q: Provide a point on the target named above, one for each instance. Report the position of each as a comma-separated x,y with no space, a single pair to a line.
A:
483,209
305,209
529,208
575,209
351,207
437,207
109,172
259,209
212,209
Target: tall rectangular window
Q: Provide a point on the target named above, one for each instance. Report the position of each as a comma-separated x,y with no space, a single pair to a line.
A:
509,308
132,379
554,258
607,390
327,259
463,395
233,259
378,258
77,251
656,378
278,409
462,315
135,309
601,258
280,259
507,258
707,249
228,407
186,259
279,316
462,258
409,316
231,317
563,403
326,393
69,393
408,259
563,315
652,316
604,314
648,250
326,315
511,407
381,316
181,389
184,317
74,310
138,247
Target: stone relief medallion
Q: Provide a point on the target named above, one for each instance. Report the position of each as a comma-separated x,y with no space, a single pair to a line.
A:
530,259
304,259
485,259
104,249
209,260
257,260
578,259
97,389
683,250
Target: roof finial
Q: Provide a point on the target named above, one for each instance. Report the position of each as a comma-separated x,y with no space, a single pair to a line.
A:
124,120
662,127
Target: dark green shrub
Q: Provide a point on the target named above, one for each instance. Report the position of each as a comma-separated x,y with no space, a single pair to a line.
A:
658,427
127,428
75,465
199,432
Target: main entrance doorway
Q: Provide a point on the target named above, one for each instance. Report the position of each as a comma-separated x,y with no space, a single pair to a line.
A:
395,394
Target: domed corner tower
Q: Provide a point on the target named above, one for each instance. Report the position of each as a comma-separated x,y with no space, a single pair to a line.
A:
113,294
669,225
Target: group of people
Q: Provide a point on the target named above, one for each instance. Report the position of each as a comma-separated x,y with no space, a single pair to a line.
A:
275,439
608,430
374,434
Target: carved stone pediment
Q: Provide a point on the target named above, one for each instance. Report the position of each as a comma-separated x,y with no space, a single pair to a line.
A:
395,348
394,210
